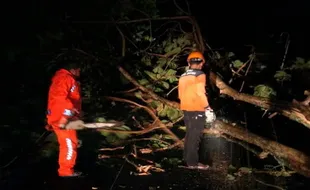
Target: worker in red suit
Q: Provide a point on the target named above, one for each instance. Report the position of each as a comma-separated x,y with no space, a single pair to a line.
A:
64,105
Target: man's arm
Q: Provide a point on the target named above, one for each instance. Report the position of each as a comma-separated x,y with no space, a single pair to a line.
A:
201,89
59,92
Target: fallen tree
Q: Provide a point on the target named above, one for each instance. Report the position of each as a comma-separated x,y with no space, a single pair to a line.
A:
294,111
290,157
162,76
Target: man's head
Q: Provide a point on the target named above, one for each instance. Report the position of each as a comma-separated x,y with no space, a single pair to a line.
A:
73,68
196,60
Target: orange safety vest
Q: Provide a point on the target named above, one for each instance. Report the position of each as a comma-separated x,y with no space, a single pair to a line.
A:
192,92
64,96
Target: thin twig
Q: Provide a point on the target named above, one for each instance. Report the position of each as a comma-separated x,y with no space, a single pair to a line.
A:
269,185
246,73
171,90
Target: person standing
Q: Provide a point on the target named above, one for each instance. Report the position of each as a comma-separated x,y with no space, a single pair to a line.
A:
64,105
195,106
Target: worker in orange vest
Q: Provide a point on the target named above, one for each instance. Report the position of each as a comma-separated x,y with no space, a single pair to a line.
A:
64,105
194,103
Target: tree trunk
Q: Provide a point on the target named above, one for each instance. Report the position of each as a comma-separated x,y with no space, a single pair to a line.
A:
298,113
293,159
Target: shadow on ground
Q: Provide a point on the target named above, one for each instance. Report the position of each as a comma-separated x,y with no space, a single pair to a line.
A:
41,174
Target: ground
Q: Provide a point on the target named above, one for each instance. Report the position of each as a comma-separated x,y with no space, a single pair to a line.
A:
37,173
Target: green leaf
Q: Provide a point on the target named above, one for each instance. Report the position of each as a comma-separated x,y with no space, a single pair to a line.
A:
100,119
281,76
158,69
164,121
183,128
264,91
138,95
156,104
173,79
174,51
300,63
158,90
237,63
230,54
167,137
161,61
165,84
146,60
143,81
171,72
111,139
168,47
158,76
172,113
300,60
163,112
159,107
123,135
151,75
180,40
104,133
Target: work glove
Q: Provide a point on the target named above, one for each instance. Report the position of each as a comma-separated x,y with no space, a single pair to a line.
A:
210,115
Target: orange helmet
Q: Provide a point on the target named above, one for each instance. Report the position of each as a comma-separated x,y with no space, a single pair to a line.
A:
196,56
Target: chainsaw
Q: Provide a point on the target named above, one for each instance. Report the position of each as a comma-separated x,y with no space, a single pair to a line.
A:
80,125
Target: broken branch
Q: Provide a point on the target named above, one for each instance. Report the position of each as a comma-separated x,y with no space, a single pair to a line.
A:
294,159
156,122
287,109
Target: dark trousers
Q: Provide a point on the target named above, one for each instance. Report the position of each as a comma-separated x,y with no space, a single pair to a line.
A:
194,122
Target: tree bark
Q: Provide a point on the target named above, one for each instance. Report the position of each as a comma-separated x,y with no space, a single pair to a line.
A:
298,113
293,159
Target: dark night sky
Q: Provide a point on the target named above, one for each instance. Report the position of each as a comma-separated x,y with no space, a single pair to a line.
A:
223,23
258,22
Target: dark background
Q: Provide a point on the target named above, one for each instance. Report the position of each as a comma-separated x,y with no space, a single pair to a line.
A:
223,23
226,26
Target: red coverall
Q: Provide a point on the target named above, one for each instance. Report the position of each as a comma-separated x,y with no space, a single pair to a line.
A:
64,97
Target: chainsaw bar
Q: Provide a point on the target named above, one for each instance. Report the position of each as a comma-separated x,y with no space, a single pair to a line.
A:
103,125
80,125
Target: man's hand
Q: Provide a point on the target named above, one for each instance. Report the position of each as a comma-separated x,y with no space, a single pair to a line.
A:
210,115
48,127
62,123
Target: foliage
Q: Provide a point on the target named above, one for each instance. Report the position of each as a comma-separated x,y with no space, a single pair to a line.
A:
237,63
165,111
282,76
164,62
160,141
111,137
264,91
300,64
